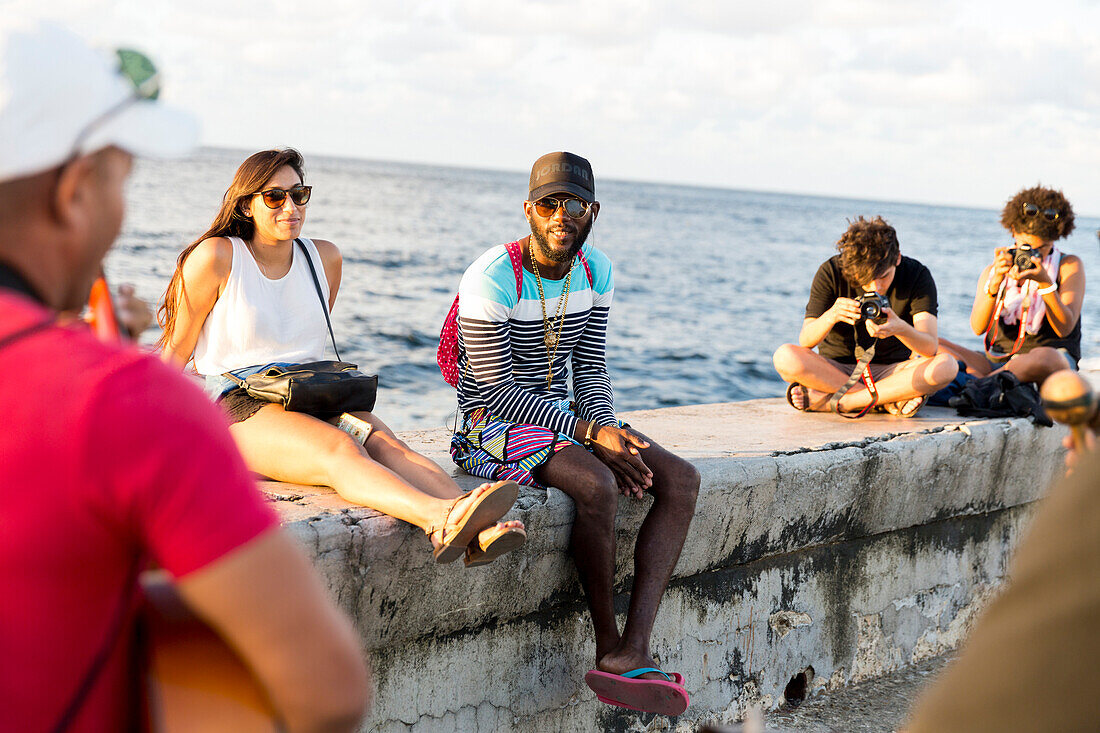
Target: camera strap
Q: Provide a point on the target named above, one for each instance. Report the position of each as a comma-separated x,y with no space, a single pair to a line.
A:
990,336
862,371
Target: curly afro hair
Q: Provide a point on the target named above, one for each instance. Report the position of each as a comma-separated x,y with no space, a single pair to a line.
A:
1013,217
867,250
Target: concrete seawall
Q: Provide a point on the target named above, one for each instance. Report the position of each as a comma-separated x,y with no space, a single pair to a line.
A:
823,552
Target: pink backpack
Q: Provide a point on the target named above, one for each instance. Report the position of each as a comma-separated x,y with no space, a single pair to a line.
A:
447,354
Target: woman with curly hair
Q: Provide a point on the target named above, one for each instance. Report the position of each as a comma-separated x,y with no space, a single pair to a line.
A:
1028,301
242,298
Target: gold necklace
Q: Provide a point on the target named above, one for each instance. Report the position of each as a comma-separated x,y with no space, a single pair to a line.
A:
549,337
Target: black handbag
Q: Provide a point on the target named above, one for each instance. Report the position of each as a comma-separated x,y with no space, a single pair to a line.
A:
317,387
322,388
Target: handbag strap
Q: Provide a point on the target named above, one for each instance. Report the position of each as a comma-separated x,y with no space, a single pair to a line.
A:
320,295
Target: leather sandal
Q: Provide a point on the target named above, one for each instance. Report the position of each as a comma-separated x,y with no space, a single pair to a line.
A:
493,542
485,511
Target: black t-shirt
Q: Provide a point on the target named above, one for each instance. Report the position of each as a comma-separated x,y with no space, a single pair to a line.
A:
912,291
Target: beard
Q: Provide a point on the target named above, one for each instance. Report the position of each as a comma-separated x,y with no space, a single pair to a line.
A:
551,254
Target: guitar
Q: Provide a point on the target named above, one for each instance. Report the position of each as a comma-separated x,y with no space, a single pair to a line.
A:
194,681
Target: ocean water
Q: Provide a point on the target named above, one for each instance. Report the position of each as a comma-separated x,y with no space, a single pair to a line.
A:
708,281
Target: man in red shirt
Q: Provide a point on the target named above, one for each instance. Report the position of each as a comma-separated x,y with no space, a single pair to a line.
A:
109,459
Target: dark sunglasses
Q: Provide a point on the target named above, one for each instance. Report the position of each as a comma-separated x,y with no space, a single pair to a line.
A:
276,197
1048,214
137,69
548,206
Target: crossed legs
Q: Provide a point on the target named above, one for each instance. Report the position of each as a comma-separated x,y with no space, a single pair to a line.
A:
592,486
894,382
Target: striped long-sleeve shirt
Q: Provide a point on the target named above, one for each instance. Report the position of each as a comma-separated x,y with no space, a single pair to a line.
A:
503,359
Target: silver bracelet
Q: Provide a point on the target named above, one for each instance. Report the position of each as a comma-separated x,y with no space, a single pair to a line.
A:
1048,289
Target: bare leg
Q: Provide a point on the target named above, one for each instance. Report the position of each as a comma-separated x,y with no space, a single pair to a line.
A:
420,471
905,380
292,446
1037,364
660,539
592,487
975,361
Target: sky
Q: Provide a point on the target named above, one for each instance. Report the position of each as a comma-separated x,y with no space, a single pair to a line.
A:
958,103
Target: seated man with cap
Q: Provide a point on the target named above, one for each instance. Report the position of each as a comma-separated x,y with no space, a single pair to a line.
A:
531,314
111,460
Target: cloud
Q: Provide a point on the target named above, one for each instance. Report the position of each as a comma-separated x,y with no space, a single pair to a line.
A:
928,101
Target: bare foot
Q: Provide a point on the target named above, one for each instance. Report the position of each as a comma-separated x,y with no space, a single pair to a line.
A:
809,400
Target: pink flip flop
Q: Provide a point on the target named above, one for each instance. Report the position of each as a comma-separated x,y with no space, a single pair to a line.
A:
665,697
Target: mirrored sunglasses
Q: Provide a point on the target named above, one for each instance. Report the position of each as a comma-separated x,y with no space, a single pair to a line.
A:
575,208
1048,214
276,197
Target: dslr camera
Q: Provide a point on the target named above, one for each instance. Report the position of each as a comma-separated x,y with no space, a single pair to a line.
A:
1022,257
871,305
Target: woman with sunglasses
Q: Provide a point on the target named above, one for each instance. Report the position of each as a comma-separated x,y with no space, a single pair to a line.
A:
241,299
1028,302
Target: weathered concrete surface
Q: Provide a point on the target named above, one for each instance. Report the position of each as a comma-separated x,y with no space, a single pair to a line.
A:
852,547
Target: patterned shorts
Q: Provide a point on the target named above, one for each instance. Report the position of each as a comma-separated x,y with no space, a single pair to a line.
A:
499,450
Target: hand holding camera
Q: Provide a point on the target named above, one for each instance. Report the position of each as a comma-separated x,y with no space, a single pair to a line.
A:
1019,263
880,318
844,310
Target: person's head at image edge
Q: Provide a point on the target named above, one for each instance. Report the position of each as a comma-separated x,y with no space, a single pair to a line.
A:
1037,217
264,200
71,119
869,254
561,205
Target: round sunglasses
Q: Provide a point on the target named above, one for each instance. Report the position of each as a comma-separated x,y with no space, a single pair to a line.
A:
548,206
1048,214
276,197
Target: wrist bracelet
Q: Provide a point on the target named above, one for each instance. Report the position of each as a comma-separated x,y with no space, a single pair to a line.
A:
1048,289
589,433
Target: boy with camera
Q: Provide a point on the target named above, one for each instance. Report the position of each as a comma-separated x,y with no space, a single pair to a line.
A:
1028,302
872,317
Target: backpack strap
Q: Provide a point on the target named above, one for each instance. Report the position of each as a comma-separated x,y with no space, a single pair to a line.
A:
23,332
587,269
114,632
515,253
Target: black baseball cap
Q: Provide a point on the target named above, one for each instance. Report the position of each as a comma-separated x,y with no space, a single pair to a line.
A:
562,173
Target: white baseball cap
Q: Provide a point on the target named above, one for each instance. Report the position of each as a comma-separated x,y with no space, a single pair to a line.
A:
59,98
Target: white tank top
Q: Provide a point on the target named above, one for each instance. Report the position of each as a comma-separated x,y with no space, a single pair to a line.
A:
256,320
